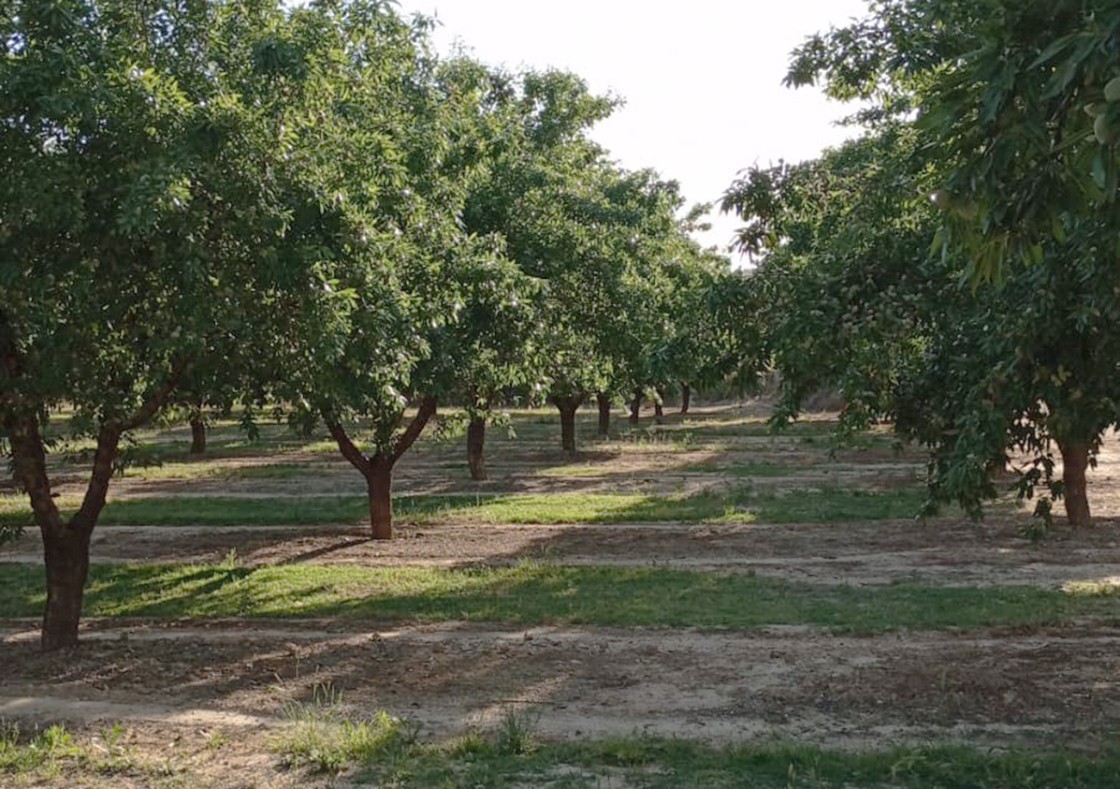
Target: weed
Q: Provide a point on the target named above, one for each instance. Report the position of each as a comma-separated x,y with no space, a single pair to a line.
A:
515,736
231,561
319,740
217,740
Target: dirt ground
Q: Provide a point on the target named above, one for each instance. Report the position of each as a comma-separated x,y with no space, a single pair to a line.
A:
175,683
787,683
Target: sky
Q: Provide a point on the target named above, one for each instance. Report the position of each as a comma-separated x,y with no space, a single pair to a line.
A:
701,81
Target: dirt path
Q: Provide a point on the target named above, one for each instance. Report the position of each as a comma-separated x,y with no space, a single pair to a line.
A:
943,552
1054,686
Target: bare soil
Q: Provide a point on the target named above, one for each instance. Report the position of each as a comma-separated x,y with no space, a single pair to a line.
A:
998,687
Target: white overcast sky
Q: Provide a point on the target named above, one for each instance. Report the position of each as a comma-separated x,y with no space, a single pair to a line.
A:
701,80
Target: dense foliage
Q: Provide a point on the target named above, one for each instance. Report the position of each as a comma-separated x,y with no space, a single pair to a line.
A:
980,152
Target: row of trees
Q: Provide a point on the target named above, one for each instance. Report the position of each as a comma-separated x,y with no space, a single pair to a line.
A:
210,203
955,270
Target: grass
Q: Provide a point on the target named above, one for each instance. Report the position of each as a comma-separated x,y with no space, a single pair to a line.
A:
531,593
382,751
53,752
385,751
743,506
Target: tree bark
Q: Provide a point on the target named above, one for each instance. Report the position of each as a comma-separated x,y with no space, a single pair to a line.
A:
568,406
1075,462
636,407
686,398
659,406
198,434
66,554
379,485
476,442
604,415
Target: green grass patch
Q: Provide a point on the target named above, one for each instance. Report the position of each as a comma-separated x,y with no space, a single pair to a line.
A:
532,593
744,506
386,752
740,429
53,753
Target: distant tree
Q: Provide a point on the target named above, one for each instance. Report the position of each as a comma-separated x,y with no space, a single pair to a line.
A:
419,297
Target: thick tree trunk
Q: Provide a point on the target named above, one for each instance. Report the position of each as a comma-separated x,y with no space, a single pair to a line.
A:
568,429
659,406
636,407
66,552
604,415
568,407
476,441
1075,462
379,484
686,398
198,435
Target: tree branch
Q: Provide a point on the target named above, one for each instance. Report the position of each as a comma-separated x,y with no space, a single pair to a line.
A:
346,446
415,428
108,444
155,400
104,458
30,462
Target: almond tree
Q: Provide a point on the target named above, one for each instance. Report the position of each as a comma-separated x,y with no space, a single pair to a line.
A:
160,206
1018,106
985,378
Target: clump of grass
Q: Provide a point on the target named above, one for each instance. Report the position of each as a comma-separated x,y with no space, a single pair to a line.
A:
321,741
34,753
516,735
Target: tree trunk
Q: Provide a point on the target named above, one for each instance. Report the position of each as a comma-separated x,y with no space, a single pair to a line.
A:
1075,461
66,552
659,406
568,428
198,435
568,407
686,398
476,440
636,407
604,415
379,484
